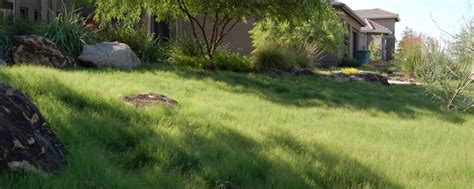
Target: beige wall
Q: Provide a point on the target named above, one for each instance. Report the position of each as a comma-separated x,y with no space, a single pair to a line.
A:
238,40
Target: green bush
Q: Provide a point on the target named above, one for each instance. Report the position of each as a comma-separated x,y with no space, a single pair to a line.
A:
145,45
232,61
68,30
187,52
9,29
271,58
347,62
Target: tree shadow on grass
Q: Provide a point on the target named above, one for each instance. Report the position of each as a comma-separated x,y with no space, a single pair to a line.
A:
304,92
116,146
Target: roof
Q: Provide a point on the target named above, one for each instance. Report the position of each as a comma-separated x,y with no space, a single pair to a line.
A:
377,13
374,27
348,10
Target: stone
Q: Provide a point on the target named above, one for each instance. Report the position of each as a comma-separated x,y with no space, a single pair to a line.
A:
146,99
340,77
110,54
38,50
373,78
301,72
366,77
26,141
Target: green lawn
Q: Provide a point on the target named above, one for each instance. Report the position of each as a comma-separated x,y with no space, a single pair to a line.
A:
243,131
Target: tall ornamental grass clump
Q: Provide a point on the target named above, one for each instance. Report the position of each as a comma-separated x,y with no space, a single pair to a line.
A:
69,31
277,47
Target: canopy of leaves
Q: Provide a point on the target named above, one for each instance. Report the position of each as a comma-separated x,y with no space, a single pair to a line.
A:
322,27
132,10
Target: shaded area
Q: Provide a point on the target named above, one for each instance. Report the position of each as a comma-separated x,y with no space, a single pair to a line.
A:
113,145
304,92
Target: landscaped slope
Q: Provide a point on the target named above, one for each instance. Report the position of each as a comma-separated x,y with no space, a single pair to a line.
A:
243,131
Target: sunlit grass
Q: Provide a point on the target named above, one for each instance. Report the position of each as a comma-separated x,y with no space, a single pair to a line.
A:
243,131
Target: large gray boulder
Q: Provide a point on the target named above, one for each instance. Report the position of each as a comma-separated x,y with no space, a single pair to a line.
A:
26,142
110,54
37,50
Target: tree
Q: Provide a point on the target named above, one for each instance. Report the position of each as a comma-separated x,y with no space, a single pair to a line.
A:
221,16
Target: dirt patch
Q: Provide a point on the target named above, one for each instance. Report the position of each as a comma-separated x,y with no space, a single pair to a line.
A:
149,99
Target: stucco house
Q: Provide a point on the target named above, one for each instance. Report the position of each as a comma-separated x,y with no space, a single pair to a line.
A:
362,26
353,23
379,31
33,10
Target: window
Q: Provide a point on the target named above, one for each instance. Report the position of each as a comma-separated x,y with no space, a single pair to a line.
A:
23,13
36,15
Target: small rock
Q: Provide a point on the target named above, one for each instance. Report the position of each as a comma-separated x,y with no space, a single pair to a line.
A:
146,99
340,77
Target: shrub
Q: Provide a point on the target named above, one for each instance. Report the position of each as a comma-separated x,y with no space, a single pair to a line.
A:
232,61
68,30
283,56
143,44
347,62
188,52
375,47
270,58
447,72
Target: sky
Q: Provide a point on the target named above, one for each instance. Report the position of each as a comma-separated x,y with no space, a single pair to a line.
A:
419,14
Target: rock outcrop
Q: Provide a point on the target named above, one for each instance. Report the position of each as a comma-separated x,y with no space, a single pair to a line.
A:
38,50
26,142
110,54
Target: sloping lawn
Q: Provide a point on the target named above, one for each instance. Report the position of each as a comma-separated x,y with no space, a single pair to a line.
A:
243,131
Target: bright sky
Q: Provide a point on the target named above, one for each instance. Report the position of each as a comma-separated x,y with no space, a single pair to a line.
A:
419,14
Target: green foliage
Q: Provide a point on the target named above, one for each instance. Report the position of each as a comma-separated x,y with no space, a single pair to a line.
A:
186,51
220,16
68,30
271,57
283,56
375,48
348,62
232,61
147,48
322,29
447,73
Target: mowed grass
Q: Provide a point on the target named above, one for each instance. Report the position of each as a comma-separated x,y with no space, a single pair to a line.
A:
243,131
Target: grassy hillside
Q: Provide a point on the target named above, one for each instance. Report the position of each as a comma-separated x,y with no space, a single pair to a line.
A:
243,131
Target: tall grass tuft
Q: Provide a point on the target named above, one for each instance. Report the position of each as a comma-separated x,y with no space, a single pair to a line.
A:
68,30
